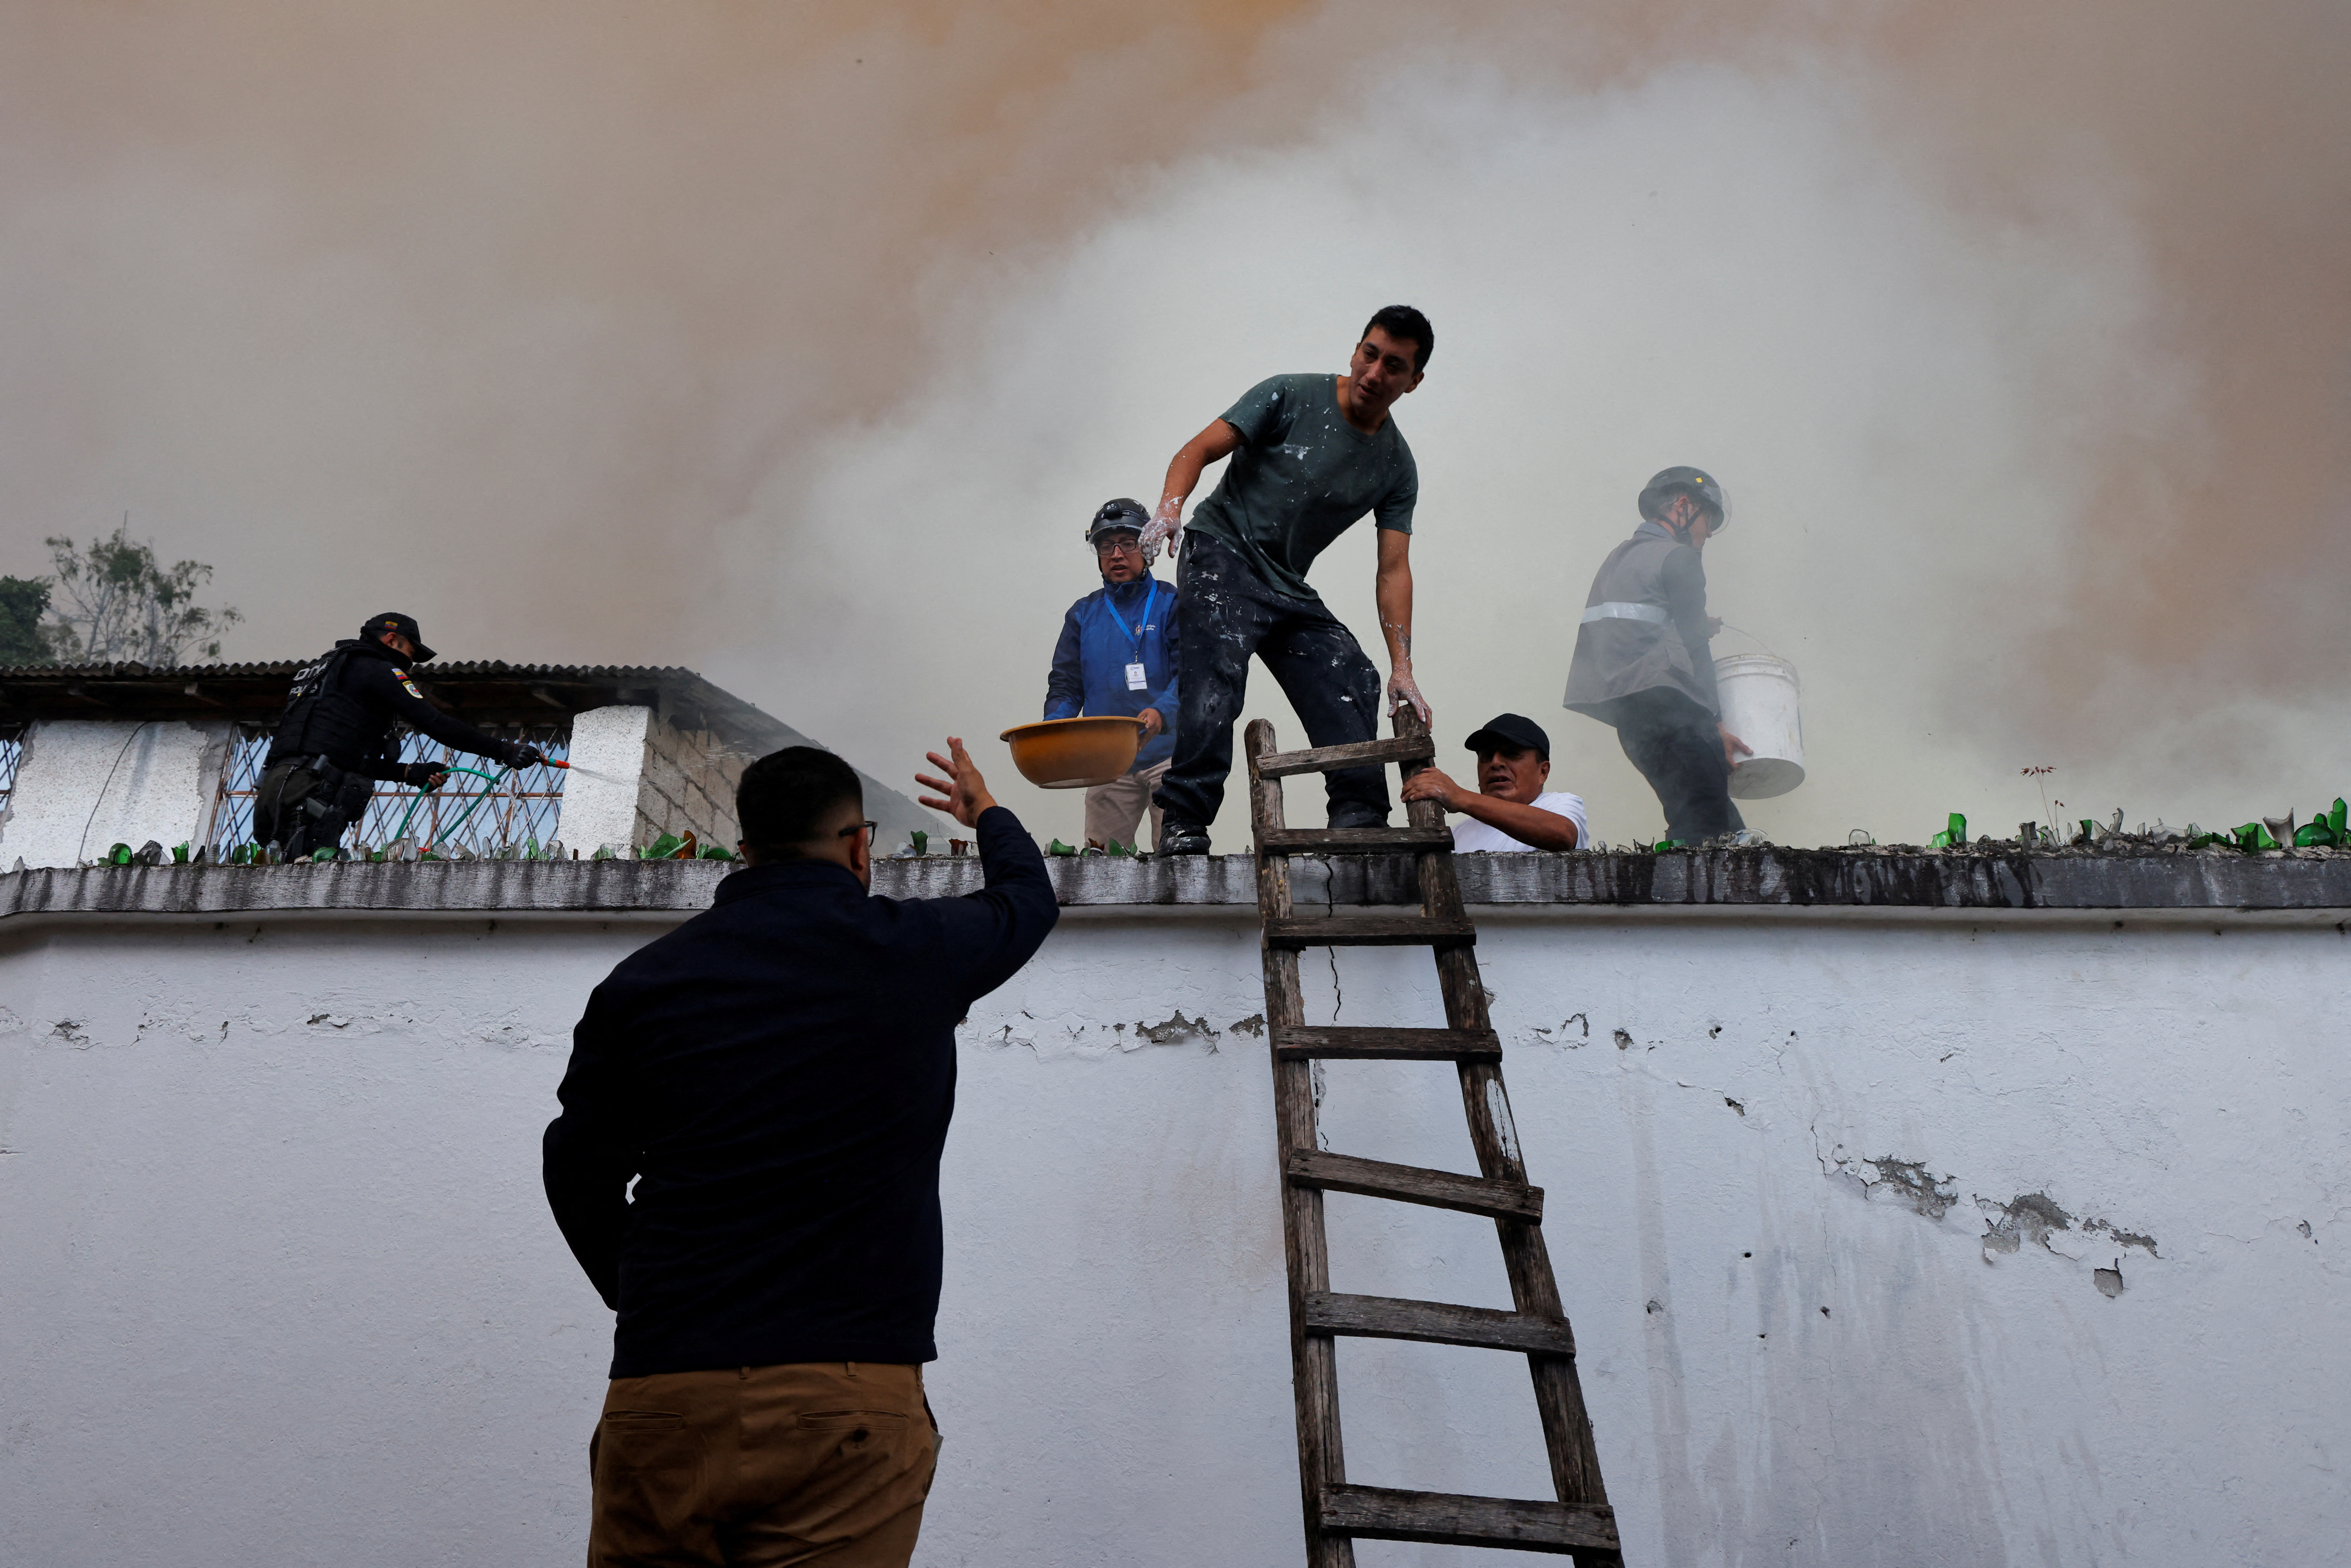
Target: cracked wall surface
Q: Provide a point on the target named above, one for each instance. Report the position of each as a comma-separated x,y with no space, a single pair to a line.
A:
1873,1238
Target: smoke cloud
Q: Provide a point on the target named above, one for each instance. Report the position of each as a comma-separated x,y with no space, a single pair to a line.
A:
795,343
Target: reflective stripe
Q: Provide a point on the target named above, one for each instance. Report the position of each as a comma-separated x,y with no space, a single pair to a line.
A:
1655,614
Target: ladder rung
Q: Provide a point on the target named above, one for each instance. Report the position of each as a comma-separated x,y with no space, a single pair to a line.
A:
1361,754
1352,1042
1370,931
1415,1184
1449,1520
1351,840
1437,1323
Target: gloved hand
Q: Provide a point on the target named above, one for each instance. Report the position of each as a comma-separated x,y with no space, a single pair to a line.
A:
423,774
1161,529
522,754
1401,689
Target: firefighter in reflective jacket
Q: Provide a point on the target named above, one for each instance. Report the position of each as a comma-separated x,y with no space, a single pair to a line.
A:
1642,661
336,739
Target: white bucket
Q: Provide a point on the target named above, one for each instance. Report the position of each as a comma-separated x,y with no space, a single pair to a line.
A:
1758,694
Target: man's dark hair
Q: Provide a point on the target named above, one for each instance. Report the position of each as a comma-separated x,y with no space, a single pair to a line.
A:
1404,323
785,797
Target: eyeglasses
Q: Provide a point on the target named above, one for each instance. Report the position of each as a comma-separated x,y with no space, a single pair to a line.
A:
1119,547
868,829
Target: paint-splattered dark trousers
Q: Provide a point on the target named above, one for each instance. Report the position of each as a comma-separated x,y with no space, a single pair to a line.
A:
1230,613
1675,743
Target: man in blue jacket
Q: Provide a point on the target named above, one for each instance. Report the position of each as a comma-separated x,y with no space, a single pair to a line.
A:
775,1077
1118,655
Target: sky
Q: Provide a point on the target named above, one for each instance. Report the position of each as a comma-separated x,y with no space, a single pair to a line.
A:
795,343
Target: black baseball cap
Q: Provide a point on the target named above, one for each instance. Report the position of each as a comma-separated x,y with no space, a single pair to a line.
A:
393,621
1510,731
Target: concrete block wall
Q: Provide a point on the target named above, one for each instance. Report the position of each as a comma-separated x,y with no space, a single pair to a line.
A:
84,785
688,785
607,764
635,777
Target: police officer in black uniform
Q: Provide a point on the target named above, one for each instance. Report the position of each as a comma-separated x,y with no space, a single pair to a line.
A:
1643,661
335,739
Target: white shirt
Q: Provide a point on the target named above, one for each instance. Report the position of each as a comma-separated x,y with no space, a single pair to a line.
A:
1469,834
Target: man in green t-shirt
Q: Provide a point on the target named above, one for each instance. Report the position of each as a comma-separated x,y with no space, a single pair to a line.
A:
1310,456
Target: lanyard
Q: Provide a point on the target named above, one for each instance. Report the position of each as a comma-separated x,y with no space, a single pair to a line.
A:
1135,637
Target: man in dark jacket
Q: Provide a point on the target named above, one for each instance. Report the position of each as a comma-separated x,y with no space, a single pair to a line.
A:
1118,654
1643,661
775,1076
335,739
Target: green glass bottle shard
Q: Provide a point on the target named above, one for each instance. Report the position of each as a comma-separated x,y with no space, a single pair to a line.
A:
1954,834
921,840
664,847
1059,848
2335,819
2314,834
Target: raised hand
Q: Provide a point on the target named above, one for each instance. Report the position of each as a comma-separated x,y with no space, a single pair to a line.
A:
1730,744
963,793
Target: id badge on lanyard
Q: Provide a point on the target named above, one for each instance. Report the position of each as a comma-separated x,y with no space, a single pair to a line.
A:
1137,679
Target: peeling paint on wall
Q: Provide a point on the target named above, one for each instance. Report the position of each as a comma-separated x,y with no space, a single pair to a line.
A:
1178,1030
2123,1238
2028,1217
1911,1182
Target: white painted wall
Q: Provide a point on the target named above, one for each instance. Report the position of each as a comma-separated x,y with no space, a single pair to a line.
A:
600,793
85,785
281,1287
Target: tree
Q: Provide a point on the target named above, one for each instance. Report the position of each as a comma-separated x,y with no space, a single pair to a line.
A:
23,639
123,606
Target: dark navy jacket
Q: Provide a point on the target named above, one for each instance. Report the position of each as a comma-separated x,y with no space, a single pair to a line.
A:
777,1074
1090,663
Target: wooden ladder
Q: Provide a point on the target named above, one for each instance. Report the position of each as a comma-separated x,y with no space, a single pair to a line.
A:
1580,1523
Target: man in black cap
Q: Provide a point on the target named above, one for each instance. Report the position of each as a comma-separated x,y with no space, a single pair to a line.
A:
335,739
1642,661
1510,810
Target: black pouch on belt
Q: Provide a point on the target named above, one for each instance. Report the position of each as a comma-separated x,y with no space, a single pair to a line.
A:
305,804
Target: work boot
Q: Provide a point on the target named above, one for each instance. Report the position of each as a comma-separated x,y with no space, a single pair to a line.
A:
1356,814
1180,838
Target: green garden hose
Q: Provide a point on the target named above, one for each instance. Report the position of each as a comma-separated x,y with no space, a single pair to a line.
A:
495,780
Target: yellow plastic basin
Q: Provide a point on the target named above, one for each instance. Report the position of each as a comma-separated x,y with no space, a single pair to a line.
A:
1074,753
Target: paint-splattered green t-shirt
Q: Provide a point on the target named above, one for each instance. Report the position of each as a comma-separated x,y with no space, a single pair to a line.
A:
1303,477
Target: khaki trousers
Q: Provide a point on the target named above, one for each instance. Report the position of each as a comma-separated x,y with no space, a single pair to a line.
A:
1114,810
762,1467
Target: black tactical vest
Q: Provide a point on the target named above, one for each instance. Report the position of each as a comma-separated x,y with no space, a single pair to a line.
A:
322,719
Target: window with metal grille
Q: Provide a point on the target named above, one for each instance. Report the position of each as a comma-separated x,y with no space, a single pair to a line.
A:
479,810
12,752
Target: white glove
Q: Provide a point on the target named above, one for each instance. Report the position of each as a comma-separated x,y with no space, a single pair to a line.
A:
1402,689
